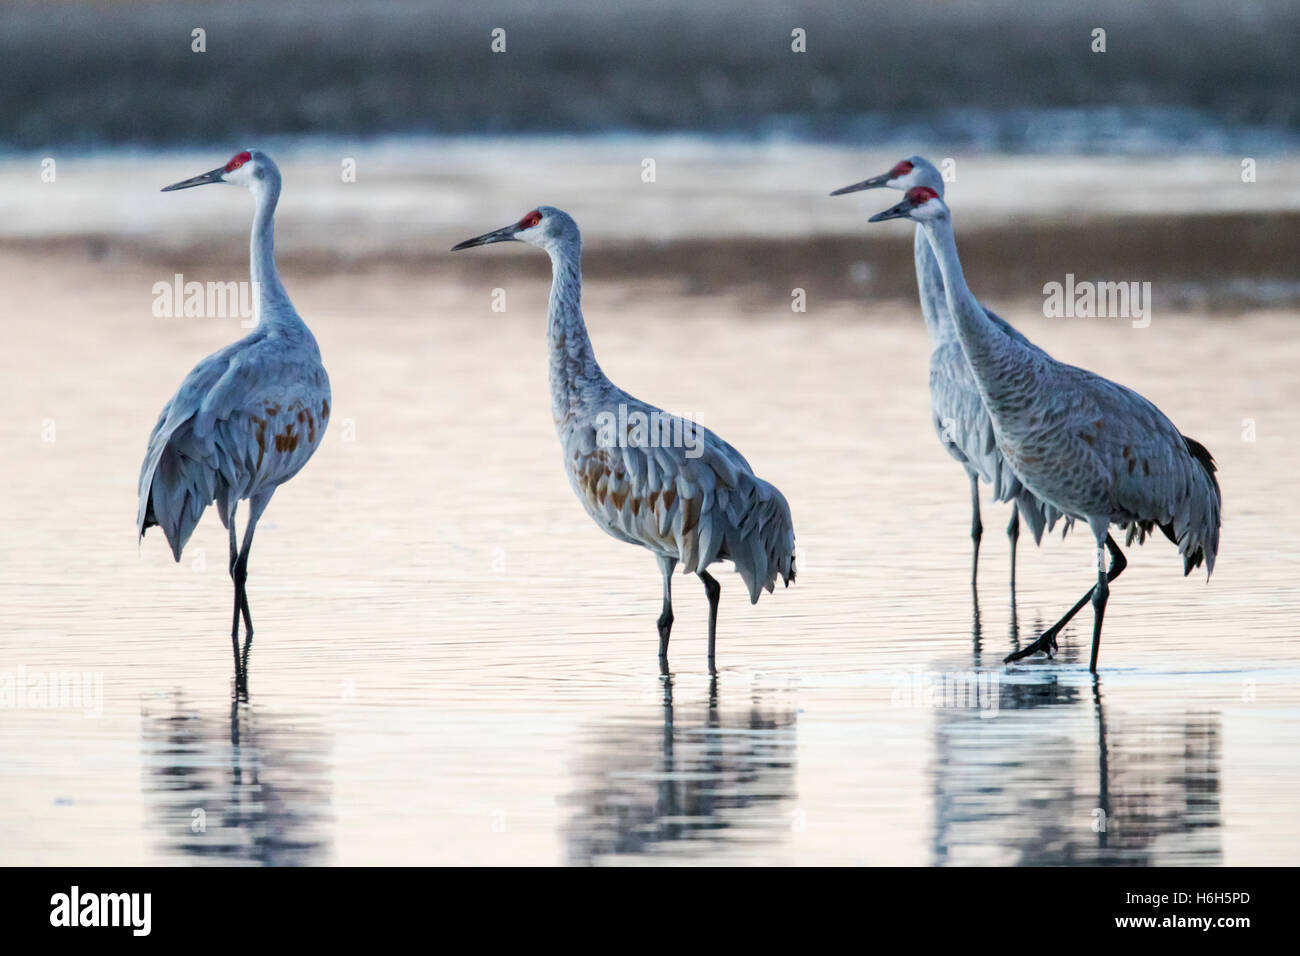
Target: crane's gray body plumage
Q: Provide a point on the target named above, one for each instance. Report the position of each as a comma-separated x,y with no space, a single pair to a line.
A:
242,423
695,510
1089,447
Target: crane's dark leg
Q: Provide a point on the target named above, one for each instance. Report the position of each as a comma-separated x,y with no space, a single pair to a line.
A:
240,575
976,527
234,559
256,505
666,566
714,590
1013,533
1100,595
1047,642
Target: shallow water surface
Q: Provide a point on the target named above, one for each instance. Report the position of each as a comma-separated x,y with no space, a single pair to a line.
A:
452,664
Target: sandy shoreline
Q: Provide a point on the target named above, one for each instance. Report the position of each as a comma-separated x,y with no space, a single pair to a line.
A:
1212,263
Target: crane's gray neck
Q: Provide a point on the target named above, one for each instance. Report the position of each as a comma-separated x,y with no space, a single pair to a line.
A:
273,305
573,367
929,285
989,351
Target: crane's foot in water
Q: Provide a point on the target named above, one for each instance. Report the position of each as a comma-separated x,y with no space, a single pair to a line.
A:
1046,644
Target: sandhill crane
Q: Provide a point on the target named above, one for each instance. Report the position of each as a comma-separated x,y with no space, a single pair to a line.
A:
960,419
247,418
1090,448
644,476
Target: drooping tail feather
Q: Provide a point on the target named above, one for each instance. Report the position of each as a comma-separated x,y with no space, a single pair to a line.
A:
175,490
1198,538
1195,526
1031,510
773,543
1039,516
751,527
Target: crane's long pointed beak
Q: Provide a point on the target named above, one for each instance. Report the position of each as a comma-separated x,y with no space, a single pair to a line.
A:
504,234
899,211
874,182
212,176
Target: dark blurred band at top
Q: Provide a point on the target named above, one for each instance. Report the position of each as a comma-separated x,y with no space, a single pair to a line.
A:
1010,75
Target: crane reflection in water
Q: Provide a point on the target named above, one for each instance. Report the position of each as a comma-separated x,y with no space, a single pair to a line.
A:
704,778
253,786
1062,776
